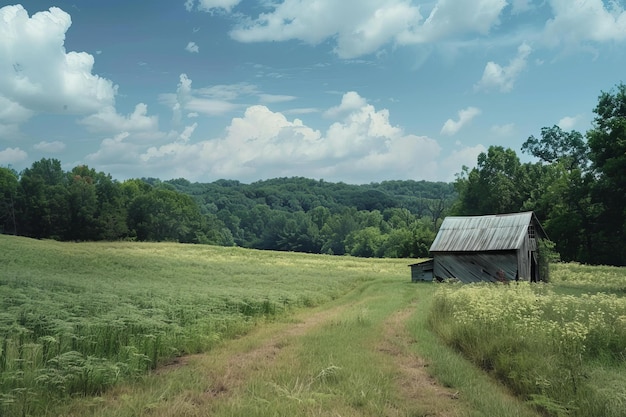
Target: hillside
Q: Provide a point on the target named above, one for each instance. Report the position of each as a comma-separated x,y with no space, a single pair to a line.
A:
389,219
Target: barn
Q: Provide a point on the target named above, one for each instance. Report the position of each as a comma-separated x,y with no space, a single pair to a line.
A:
493,248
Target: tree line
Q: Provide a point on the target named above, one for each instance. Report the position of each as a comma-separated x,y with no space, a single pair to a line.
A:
389,219
577,187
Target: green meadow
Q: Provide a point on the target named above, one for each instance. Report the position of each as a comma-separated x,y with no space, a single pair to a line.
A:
166,329
560,347
78,318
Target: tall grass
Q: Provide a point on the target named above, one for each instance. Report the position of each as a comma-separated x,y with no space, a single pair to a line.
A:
563,351
485,396
77,318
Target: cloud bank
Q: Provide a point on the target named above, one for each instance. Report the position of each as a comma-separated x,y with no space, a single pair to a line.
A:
359,145
361,27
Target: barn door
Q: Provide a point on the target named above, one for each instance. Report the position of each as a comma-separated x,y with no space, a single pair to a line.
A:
534,268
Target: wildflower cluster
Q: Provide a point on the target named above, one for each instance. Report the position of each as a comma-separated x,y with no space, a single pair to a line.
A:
532,337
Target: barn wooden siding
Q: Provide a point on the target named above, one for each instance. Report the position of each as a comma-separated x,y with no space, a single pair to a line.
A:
422,271
479,248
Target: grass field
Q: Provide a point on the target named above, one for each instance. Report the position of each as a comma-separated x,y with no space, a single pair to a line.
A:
123,329
77,318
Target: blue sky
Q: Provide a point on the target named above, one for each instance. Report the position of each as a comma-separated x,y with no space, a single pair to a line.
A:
353,90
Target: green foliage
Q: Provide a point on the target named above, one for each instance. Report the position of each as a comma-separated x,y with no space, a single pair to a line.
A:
556,145
546,255
497,185
577,189
607,142
288,214
8,195
161,215
540,341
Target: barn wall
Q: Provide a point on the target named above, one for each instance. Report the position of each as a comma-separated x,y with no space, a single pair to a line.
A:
523,256
422,271
475,267
420,274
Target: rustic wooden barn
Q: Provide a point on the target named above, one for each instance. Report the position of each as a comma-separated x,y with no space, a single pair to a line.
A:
492,248
422,271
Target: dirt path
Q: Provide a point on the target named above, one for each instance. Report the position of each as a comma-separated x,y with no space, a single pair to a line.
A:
229,368
199,385
238,366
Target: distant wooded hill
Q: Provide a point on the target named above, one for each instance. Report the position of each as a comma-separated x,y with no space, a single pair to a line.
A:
388,219
302,194
391,218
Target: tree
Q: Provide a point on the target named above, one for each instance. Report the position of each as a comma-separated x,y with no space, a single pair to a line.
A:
336,229
556,145
564,202
498,184
43,204
607,144
607,139
112,208
9,184
299,233
165,215
82,205
367,242
437,208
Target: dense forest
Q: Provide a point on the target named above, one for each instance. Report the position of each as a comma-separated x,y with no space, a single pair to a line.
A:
388,219
577,187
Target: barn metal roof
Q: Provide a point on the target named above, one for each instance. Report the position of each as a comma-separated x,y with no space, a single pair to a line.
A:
483,233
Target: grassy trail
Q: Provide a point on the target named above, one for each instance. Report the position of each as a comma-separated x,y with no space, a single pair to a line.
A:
354,356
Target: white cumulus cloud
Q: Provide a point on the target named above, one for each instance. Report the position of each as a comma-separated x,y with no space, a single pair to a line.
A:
464,156
502,78
115,150
451,127
12,156
450,18
504,130
361,27
36,72
108,120
275,98
521,6
586,20
569,122
212,5
350,102
12,114
214,100
360,146
50,147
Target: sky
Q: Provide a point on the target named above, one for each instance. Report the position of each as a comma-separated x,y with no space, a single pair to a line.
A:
356,91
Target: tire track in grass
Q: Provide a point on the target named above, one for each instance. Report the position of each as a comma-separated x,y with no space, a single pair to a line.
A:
227,369
239,365
194,385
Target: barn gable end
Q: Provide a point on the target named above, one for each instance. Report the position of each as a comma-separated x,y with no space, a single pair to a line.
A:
488,248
